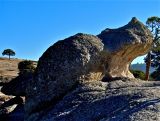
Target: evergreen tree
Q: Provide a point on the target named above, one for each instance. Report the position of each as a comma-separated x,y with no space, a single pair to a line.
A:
155,62
153,23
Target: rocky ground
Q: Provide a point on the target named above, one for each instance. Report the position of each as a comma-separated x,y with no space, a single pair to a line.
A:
119,100
11,106
8,71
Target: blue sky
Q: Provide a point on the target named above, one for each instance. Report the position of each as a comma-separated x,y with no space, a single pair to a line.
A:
30,26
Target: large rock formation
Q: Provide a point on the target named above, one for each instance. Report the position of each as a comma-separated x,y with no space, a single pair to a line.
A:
71,65
62,67
124,45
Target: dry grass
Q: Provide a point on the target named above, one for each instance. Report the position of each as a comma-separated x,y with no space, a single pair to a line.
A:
9,68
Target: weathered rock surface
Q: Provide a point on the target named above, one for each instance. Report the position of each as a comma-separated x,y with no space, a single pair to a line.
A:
4,111
62,67
124,45
119,100
67,83
12,109
17,114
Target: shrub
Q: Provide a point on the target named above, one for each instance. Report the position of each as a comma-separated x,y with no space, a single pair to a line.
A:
138,74
26,66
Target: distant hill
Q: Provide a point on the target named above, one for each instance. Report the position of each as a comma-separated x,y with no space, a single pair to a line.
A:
141,67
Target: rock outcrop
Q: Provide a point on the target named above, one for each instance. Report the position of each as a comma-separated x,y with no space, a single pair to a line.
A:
62,67
119,100
67,83
124,45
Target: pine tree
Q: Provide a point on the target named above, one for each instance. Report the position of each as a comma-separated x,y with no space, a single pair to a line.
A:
153,23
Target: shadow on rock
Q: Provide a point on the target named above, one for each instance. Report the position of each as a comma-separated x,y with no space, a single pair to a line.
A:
17,85
12,110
